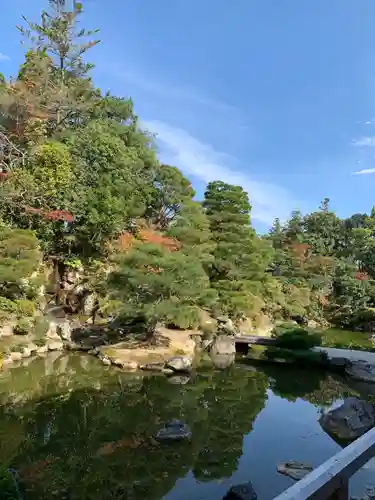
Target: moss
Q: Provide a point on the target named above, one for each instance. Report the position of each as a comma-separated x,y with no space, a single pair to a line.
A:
25,307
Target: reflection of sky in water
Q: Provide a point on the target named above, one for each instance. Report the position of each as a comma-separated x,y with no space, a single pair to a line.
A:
282,431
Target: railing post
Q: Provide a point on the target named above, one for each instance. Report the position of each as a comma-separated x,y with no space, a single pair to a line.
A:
342,493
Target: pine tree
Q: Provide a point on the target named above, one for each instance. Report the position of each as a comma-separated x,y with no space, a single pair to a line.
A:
192,228
239,257
161,285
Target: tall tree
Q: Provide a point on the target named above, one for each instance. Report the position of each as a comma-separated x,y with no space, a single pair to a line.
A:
238,263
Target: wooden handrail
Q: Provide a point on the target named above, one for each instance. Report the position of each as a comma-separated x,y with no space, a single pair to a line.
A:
330,480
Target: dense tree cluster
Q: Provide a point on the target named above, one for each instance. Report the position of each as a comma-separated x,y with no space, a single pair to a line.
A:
79,176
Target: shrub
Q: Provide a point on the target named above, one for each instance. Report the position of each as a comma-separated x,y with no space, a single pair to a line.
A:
16,348
40,342
41,326
7,305
24,326
297,338
25,307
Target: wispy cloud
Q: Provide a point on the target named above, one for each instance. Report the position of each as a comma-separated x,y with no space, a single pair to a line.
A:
365,171
4,57
173,91
365,141
200,160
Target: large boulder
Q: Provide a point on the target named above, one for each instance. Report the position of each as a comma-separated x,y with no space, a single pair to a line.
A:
241,492
352,419
175,430
361,370
223,345
179,363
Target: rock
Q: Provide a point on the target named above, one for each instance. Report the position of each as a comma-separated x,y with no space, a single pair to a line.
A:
223,345
241,492
352,419
225,326
370,492
33,348
361,370
312,324
106,361
55,345
222,361
16,356
52,331
64,330
42,349
7,330
175,430
88,304
7,361
153,367
179,379
206,344
26,353
179,363
126,365
294,470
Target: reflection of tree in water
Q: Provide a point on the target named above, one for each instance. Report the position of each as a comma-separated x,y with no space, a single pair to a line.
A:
94,444
233,401
318,387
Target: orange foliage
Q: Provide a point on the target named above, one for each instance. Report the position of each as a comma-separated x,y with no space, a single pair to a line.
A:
125,241
151,236
361,276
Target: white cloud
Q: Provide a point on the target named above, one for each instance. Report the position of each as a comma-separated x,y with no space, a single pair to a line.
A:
365,171
181,94
195,158
368,141
4,57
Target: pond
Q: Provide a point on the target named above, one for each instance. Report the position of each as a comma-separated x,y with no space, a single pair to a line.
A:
74,429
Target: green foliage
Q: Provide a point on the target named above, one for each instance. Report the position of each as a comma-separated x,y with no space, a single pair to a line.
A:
25,307
19,255
240,257
162,285
8,306
41,326
296,338
73,262
24,326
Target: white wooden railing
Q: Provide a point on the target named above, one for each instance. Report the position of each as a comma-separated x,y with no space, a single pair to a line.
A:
330,481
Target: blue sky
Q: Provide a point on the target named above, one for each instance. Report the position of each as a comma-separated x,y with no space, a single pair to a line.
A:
276,95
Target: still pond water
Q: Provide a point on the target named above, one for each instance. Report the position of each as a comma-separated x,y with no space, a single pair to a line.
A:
74,429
